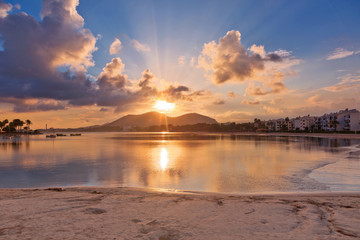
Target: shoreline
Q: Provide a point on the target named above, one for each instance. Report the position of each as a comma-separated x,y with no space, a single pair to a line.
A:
288,134
130,213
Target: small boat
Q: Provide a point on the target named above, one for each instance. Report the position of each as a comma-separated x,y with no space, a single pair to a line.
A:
60,135
51,136
75,134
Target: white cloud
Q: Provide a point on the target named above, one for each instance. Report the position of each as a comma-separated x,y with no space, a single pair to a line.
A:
181,60
139,47
341,53
115,47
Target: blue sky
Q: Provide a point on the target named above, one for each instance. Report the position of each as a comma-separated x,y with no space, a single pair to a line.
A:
174,32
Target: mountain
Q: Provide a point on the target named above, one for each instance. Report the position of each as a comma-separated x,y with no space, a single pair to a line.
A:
155,119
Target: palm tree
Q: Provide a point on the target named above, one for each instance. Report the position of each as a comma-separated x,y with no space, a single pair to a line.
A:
334,123
28,123
21,123
3,124
17,123
287,120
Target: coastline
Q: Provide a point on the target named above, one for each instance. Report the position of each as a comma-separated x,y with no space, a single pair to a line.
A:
129,213
290,134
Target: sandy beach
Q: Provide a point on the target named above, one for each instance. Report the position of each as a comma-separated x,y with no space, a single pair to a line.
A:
136,213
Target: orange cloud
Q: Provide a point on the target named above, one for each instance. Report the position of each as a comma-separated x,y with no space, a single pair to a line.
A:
115,47
244,101
348,82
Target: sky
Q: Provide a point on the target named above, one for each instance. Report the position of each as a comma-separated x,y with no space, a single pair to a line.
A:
70,63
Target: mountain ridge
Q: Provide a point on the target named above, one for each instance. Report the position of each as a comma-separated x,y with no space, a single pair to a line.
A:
154,118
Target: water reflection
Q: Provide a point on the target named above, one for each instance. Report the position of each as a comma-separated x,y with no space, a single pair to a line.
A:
164,158
207,162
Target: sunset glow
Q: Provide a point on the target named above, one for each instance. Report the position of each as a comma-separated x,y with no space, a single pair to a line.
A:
64,65
164,106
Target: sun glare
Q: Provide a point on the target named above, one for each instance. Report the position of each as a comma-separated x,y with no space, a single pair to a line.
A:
164,106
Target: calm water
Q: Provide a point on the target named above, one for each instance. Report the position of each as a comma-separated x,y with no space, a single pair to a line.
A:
201,162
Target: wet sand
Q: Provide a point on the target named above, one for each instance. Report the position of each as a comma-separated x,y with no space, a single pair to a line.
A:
135,213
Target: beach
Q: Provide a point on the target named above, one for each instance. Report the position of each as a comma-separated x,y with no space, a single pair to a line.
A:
139,213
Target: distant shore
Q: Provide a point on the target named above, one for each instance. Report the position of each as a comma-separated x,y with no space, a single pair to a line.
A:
291,134
130,213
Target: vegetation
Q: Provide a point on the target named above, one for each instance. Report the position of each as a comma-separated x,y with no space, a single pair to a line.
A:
15,126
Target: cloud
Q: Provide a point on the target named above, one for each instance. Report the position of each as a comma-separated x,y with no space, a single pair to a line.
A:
272,110
341,53
228,60
192,62
34,50
177,92
251,103
237,116
112,76
219,102
34,105
139,47
146,79
347,82
4,8
231,94
115,47
273,87
181,60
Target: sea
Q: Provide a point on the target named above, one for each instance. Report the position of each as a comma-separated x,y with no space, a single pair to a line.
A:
225,163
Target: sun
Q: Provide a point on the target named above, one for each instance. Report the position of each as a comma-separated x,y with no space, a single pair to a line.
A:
164,106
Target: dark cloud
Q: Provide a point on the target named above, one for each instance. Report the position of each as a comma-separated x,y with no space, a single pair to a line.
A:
34,50
34,105
274,57
146,79
176,92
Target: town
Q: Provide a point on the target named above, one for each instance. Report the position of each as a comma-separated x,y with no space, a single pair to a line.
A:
342,121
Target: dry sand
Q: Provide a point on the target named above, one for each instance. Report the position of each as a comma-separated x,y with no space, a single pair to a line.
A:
131,213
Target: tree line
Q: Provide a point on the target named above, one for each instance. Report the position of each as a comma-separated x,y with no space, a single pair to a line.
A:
15,126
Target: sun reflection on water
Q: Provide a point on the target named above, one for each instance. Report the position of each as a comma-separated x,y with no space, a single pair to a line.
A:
164,158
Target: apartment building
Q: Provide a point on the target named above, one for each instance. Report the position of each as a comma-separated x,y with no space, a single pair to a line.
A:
303,123
349,120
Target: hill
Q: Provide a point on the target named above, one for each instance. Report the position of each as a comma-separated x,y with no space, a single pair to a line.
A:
155,119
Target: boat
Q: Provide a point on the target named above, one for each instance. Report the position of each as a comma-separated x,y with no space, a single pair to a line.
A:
51,136
60,135
75,134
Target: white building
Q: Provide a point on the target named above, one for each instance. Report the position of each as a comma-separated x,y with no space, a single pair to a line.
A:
349,120
303,123
326,122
